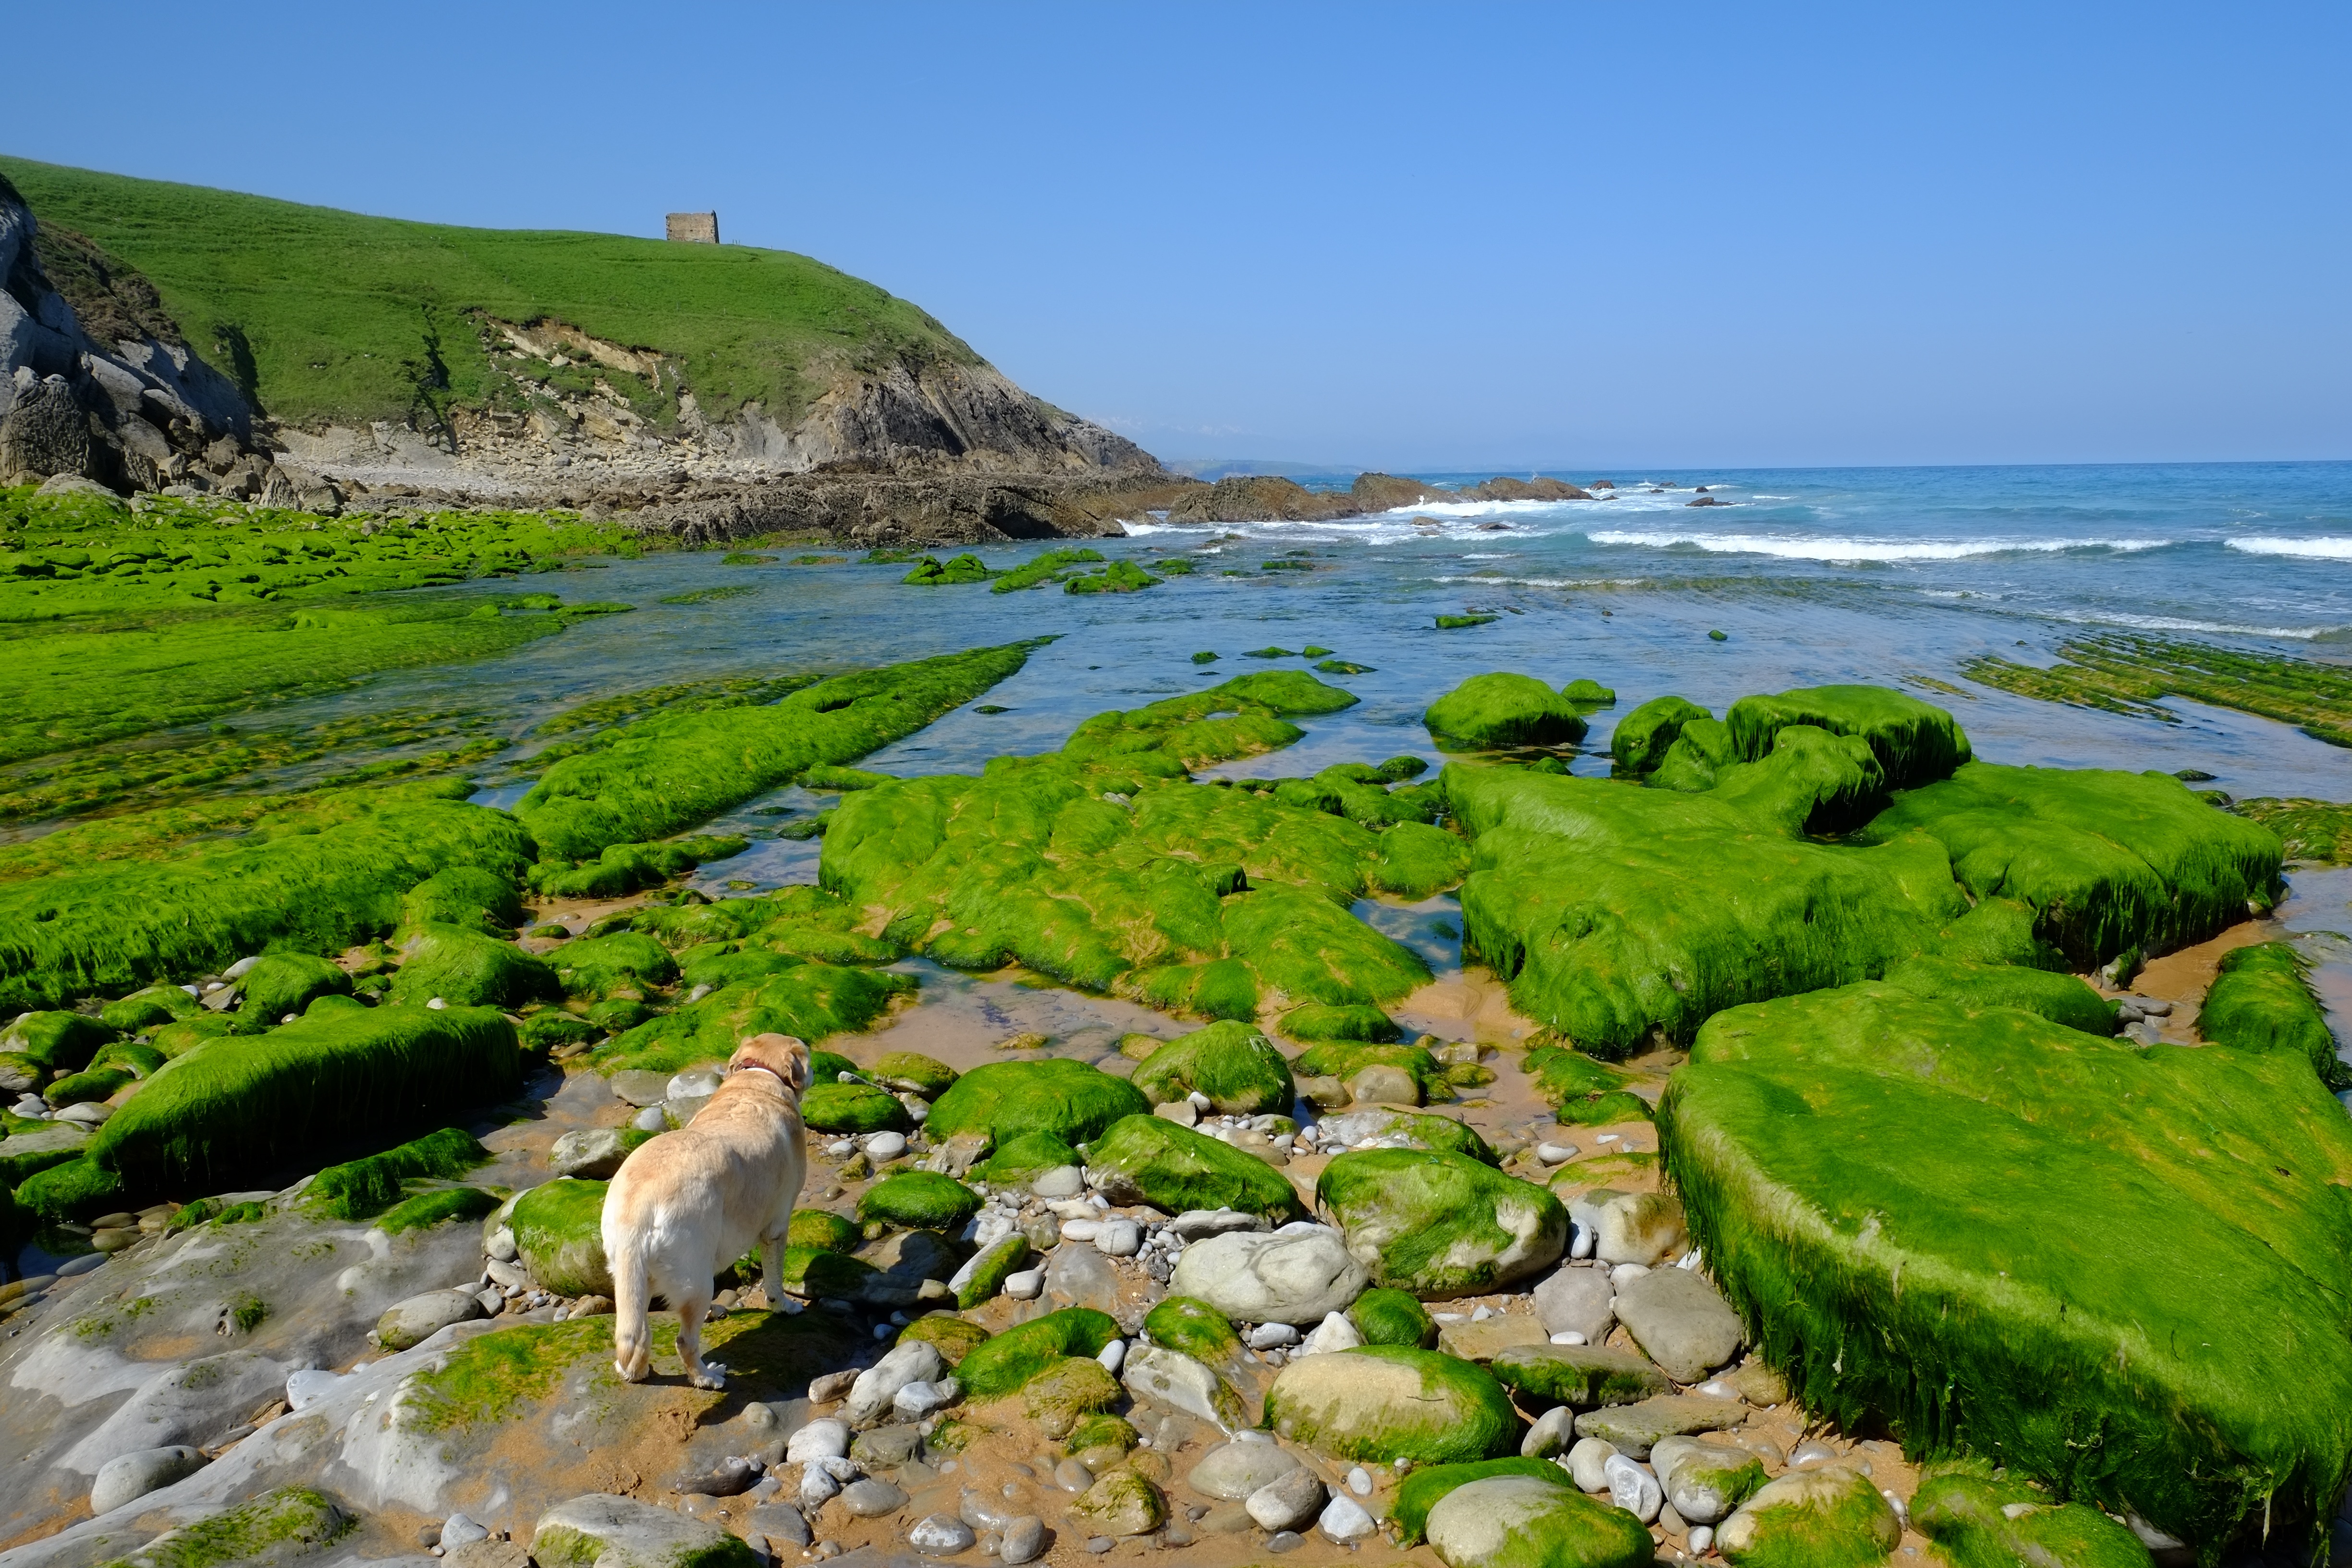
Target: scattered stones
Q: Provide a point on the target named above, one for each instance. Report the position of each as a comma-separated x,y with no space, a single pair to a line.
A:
1295,1275
132,1476
1680,1321
1288,1501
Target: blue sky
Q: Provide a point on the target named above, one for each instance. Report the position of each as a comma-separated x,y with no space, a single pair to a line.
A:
1403,237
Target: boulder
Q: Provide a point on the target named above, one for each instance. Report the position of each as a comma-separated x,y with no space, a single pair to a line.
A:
1580,1376
602,1531
1631,1429
1291,1276
1483,1339
1004,1365
1195,1328
132,1476
1705,1481
419,1317
1440,1225
1232,1471
1503,710
560,1236
1152,1160
593,1152
1289,1501
1975,1518
1386,1317
1234,1065
1176,1379
1122,1503
1385,1402
914,1361
1577,1301
1646,1228
1831,1517
1523,1522
1073,1101
1059,1396
1680,1320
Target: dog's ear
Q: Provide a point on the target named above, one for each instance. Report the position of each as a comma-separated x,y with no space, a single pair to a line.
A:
796,1052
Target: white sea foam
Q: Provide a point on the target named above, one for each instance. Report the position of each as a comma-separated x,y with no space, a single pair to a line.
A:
1791,547
2181,624
2335,548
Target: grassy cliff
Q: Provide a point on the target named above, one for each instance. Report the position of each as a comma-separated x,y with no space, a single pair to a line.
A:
332,316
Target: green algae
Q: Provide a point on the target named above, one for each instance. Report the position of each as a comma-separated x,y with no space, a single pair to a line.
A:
1586,693
2313,830
1428,1485
2060,998
1118,577
275,1527
464,896
93,1083
465,968
1074,1101
823,1230
1503,710
2107,860
1582,1377
1057,1398
808,1000
1344,1058
321,875
1188,1324
858,1107
620,963
1977,1520
1384,1316
2261,1000
1004,1365
55,1040
439,1206
955,1337
623,869
558,1232
1232,1063
1027,1156
286,983
1050,567
1914,742
1644,737
1437,1223
931,573
1316,1022
912,1072
1380,1403
147,1007
1582,1092
2134,675
1833,1150
1456,623
662,775
360,1189
919,1200
1152,1160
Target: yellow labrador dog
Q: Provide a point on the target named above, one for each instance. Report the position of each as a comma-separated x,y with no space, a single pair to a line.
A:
688,1203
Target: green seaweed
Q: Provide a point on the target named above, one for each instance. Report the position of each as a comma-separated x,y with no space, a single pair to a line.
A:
1387,1317
2261,1000
465,968
931,572
1232,1064
1438,1224
1428,1485
1503,710
919,1200
1174,1169
2133,675
1191,1325
1075,1101
1037,570
810,1001
1981,1518
359,1189
1005,1363
440,1206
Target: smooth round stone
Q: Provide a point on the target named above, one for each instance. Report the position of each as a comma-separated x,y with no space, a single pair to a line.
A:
1119,1237
1344,1519
1113,1356
1588,1461
825,1439
1024,1539
1099,1544
1026,1285
1072,1475
871,1498
1632,1488
1701,1538
940,1535
1359,1481
695,1083
1081,1229
1285,1540
459,1530
129,1477
886,1145
1554,1153
1805,1454
1060,1182
1233,1471
1268,1336
652,1119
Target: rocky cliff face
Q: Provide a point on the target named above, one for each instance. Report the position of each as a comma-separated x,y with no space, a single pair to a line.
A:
96,381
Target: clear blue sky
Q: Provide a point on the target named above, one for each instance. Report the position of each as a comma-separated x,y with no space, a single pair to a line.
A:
1422,236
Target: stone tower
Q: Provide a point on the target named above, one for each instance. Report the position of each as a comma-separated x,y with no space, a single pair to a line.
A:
694,228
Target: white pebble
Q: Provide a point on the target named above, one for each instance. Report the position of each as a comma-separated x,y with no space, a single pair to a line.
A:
1113,1356
1359,1481
886,1145
437,1004
1632,1488
1266,1336
1702,1539
1606,1138
1482,1314
1554,1153
1567,1337
1026,1286
842,1148
821,1439
1580,1246
1081,1229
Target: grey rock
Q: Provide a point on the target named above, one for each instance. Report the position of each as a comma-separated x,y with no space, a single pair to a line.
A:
590,1153
1681,1321
986,1511
940,1535
1072,1475
1633,1429
1289,1501
1632,1488
821,1439
888,1447
1588,1459
191,1402
1119,1239
1178,1381
1295,1276
694,1083
134,1475
832,1386
1060,1182
1577,1301
731,1476
1285,1540
884,1146
1024,1539
625,1533
871,1498
1344,1519
459,1530
1232,1471
419,1317
1195,1224
779,1521
1552,1431
1081,1276
916,1361
639,1088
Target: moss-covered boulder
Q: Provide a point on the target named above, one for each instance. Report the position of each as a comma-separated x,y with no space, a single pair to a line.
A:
919,1200
1427,1485
911,1072
1503,710
1976,1521
1580,1376
1831,1152
1385,1402
1831,1517
1344,1058
626,962
56,1041
1584,1092
1189,1324
276,1527
1388,1317
1916,742
465,968
359,1189
2060,998
559,1232
1439,1225
1059,1395
853,1107
824,1230
1004,1365
1076,1101
822,1274
1530,1521
146,1008
1152,1160
280,983
1230,1062
1026,1158
469,896
808,1000
1124,1501
2261,1000
1643,738
953,1337
1316,1022
602,1529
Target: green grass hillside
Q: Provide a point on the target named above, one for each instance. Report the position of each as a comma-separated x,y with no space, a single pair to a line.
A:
332,316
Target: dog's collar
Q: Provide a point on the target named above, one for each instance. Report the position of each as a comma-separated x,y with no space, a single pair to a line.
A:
755,1067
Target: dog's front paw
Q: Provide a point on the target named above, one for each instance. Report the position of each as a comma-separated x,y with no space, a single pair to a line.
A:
712,1377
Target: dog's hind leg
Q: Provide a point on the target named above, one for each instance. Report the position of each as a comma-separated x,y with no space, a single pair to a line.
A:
691,1309
631,1340
771,1271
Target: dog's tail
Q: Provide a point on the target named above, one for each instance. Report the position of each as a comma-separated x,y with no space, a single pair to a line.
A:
631,1340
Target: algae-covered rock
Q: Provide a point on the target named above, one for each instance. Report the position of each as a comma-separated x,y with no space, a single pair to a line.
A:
2060,998
1503,710
1232,1063
2262,1000
1381,1128
1977,1522
605,1531
1151,1160
1075,1387
1634,1429
1300,1277
922,1200
1387,1317
283,983
58,1042
1005,1363
985,1273
810,1001
1580,1377
1316,1022
1194,1327
465,968
1345,1058
911,1072
1643,738
359,1189
277,1527
1385,1402
1184,1383
822,1229
625,961
1834,1151
559,1232
1073,1101
468,896
1832,1517
1425,1485
1704,1479
1525,1522
853,1107
953,1337
146,1008
1122,1503
1583,1092
1915,742
1586,693
1440,1225
1026,1158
